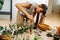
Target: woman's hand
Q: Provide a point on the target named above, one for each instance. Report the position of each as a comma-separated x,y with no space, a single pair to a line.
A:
21,8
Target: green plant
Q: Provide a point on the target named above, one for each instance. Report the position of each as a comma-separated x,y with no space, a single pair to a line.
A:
1,28
1,4
36,37
14,29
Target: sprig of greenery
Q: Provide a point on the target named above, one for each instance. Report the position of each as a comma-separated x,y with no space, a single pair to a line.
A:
36,37
14,29
1,28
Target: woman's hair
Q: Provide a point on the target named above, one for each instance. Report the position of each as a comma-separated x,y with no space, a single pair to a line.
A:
44,7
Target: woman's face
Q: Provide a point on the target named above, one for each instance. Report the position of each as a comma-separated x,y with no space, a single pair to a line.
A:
39,9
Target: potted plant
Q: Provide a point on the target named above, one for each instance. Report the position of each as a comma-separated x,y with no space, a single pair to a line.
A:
13,30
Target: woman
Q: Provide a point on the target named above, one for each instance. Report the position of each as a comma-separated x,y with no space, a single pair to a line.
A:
30,10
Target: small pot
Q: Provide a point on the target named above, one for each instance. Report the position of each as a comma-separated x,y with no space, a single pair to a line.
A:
4,37
56,37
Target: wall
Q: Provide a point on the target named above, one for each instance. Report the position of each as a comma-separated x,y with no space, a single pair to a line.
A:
50,4
6,6
5,17
53,19
56,6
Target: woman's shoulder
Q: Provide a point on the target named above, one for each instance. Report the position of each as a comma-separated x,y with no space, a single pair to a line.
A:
33,3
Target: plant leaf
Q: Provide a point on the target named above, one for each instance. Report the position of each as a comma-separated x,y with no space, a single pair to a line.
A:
1,27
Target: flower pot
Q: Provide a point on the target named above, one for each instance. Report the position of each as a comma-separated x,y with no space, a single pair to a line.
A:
4,37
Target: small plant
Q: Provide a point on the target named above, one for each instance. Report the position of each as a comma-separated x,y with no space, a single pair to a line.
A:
1,28
1,4
36,37
13,29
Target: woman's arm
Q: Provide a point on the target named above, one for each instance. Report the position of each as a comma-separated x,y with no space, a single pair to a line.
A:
41,21
20,7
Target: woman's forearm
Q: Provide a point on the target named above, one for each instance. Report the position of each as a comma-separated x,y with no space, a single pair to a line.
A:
25,12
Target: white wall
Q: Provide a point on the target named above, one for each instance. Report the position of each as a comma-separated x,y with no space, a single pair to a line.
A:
53,19
6,6
14,9
5,17
56,6
50,5
57,2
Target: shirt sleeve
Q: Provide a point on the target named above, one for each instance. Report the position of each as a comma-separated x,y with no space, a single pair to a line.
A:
30,2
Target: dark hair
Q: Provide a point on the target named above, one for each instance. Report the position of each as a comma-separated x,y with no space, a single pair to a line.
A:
44,8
